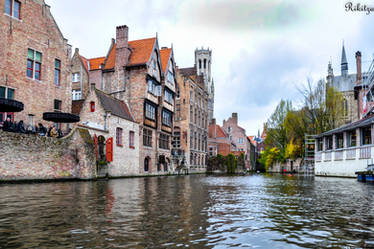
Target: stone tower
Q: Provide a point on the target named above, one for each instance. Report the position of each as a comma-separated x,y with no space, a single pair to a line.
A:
330,74
203,62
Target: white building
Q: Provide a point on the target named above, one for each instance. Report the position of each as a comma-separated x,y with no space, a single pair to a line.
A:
115,133
345,150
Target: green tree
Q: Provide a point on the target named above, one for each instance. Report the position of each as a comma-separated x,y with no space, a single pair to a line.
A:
231,163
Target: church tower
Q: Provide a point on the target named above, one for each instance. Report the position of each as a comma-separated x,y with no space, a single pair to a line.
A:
344,65
203,62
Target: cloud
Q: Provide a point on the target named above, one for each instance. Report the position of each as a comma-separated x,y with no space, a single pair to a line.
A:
247,15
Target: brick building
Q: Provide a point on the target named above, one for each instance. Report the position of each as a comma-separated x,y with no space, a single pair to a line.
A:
132,72
218,140
115,132
238,136
35,58
192,116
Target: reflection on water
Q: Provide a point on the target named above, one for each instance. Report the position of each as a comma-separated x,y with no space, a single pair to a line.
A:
192,211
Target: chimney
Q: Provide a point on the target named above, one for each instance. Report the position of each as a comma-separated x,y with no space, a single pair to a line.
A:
122,36
122,47
235,117
358,65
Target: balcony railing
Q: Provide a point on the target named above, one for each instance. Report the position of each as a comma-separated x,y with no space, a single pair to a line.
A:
328,156
365,152
338,155
350,153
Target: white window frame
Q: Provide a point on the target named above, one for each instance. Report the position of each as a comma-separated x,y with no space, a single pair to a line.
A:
76,95
75,77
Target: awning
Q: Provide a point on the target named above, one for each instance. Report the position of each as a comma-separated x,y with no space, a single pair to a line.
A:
60,117
10,105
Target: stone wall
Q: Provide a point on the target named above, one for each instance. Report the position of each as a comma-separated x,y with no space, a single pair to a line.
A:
31,157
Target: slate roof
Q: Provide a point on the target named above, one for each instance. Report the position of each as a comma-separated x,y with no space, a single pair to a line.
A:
113,105
140,55
188,71
346,83
360,123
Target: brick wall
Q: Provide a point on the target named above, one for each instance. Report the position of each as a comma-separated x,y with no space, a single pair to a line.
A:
37,30
31,157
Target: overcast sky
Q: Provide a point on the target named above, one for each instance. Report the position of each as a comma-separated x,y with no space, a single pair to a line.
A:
263,50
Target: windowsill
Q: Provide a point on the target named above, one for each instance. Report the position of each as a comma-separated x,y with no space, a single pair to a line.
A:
14,18
119,145
153,94
148,146
132,147
33,79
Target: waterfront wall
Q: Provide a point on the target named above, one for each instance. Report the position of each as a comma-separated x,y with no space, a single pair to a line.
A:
343,162
31,157
294,165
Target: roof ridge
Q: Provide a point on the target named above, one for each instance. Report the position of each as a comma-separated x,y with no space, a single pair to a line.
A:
97,58
143,39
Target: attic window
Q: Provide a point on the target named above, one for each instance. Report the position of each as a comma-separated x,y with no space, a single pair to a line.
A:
92,106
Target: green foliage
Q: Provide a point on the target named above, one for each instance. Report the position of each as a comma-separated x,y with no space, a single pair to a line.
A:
292,150
231,164
241,162
323,110
226,164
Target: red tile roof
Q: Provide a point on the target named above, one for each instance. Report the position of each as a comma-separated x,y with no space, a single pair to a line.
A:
219,131
84,61
165,55
141,52
96,62
111,59
251,139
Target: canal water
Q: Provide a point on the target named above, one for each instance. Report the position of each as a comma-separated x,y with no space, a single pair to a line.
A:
259,211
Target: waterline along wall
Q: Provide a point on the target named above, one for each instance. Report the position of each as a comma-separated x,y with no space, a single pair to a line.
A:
31,157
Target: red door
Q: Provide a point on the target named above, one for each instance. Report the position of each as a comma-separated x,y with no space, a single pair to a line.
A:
96,145
109,149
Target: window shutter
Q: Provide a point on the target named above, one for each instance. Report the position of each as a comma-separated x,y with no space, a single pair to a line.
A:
96,145
109,149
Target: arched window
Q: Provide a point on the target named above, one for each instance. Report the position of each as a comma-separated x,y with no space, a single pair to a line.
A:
204,63
146,164
200,64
